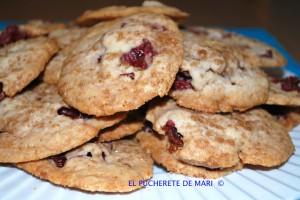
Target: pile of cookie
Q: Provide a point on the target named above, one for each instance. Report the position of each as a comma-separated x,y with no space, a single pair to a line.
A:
74,98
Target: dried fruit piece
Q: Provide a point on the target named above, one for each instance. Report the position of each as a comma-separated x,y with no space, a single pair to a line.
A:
174,137
73,113
60,160
2,94
290,83
130,75
141,56
89,154
11,34
183,81
267,54
103,155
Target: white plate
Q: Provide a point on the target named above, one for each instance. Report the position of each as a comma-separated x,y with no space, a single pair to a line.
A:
277,183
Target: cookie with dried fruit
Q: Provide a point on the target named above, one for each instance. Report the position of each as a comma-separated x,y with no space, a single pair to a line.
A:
101,167
38,123
22,61
119,65
221,140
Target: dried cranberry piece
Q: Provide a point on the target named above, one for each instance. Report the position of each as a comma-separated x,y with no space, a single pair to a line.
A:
11,34
174,137
60,160
198,31
99,59
148,127
267,54
73,113
130,75
158,27
183,81
103,155
2,94
89,154
227,35
290,83
141,56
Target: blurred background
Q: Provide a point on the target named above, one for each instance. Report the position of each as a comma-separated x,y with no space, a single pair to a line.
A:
280,17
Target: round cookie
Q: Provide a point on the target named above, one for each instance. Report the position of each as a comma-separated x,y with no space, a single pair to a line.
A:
21,62
119,65
102,167
37,124
91,17
284,91
221,140
157,146
215,78
253,51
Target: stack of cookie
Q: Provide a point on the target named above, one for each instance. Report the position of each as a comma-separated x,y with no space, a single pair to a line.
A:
70,93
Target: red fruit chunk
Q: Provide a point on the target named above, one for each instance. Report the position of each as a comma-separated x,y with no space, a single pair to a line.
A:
60,160
267,54
73,113
130,75
183,81
141,56
103,155
2,94
174,137
11,34
290,83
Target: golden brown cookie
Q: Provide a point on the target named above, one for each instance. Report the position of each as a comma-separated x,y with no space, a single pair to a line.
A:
119,65
221,140
157,146
21,62
102,167
253,51
91,17
37,124
215,78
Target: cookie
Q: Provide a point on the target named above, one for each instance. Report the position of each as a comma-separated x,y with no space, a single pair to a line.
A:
37,124
36,28
221,140
254,51
102,167
157,146
130,125
284,91
289,117
215,78
21,62
91,17
119,65
66,36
